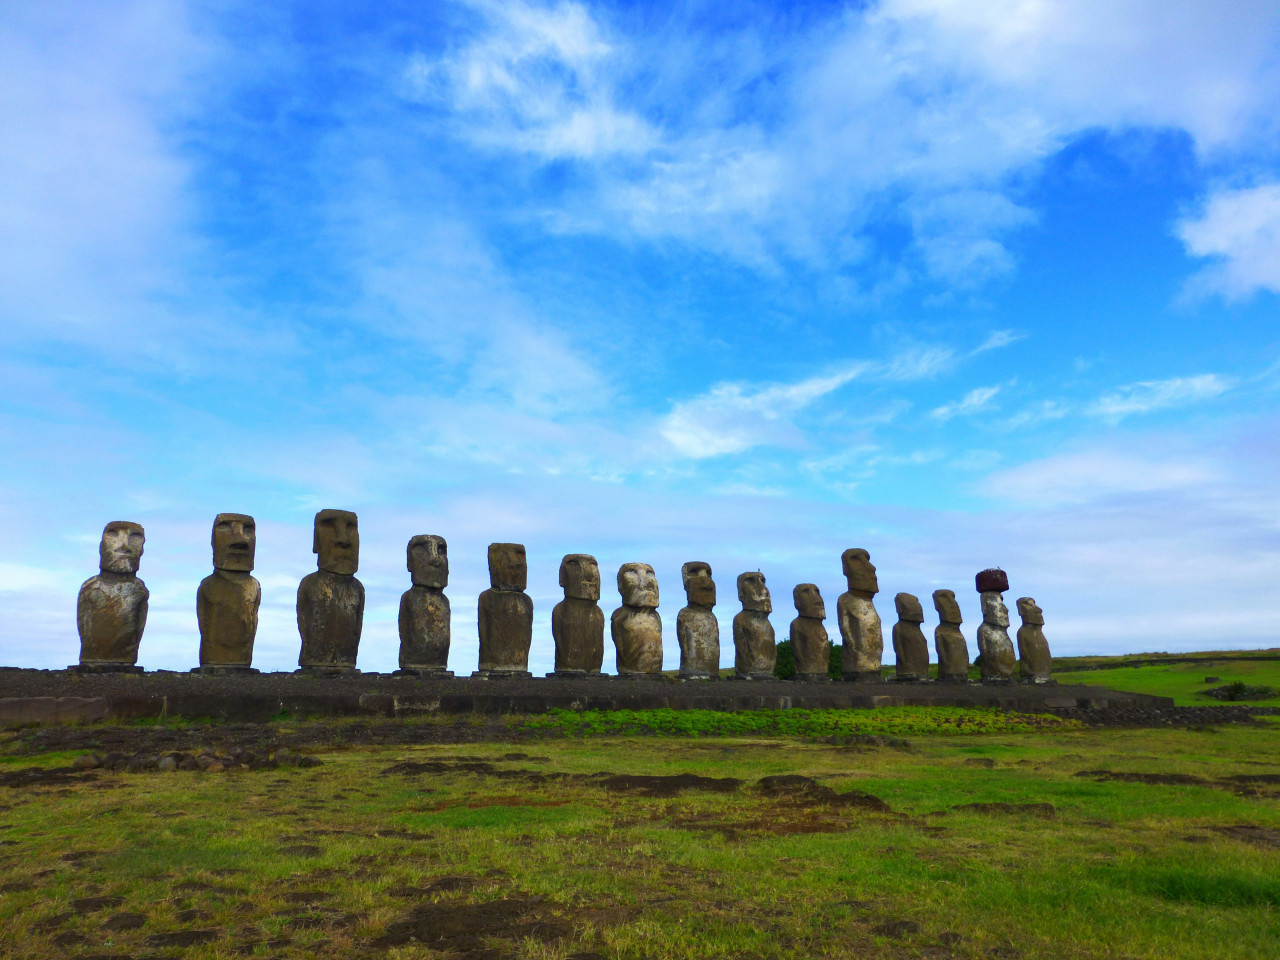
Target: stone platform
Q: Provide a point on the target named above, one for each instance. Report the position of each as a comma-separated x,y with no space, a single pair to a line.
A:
40,697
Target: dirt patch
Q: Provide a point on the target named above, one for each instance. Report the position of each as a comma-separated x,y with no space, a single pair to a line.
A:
896,929
307,896
124,921
797,787
94,904
1251,833
668,786
43,777
464,928
1046,811
182,938
1174,779
303,850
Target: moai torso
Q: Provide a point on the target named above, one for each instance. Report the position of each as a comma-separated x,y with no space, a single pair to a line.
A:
859,623
754,648
577,622
331,600
424,609
505,613
909,645
809,641
111,610
953,652
635,627
994,645
697,629
1035,663
227,600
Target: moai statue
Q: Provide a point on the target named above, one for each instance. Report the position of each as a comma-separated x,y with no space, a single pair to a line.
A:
424,609
331,600
994,644
859,622
228,599
755,652
809,641
909,645
953,653
505,614
1033,649
111,611
635,626
577,622
697,628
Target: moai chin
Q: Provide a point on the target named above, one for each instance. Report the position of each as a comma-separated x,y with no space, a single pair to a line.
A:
953,652
697,628
809,641
424,609
505,614
755,651
994,645
331,600
577,622
859,623
635,626
227,600
1034,661
111,611
909,645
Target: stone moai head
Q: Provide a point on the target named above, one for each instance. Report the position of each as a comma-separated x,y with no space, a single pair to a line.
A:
944,601
753,594
427,558
994,611
909,609
859,570
990,579
235,537
508,568
698,585
808,601
336,541
638,585
120,550
1030,612
580,576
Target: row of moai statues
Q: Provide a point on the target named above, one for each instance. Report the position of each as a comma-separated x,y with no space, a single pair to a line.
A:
112,612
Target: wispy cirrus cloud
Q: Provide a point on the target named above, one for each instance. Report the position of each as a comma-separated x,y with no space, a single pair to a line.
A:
975,401
1147,396
1238,230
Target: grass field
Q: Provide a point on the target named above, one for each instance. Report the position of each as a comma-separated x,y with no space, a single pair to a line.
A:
1186,682
1166,847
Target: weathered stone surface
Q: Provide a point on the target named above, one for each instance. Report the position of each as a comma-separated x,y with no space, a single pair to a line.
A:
909,644
577,622
994,644
331,600
227,600
505,613
809,641
111,611
755,650
860,628
953,652
697,628
425,616
636,627
991,579
1035,663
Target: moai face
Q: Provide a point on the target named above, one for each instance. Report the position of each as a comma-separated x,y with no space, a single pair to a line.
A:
1030,613
859,570
120,550
235,537
638,585
508,567
909,609
580,576
698,585
336,541
944,601
753,594
994,611
808,601
428,561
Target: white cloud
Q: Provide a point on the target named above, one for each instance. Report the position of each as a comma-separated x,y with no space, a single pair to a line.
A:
1240,230
1090,476
997,340
975,401
1149,395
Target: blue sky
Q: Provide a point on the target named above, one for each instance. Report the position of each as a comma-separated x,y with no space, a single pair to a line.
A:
963,284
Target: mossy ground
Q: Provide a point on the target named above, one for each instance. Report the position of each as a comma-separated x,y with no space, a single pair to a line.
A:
1186,682
482,850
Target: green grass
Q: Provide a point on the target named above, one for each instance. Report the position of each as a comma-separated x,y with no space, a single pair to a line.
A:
1185,682
1123,869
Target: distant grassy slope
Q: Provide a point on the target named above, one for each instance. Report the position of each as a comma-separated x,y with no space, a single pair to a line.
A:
1184,681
